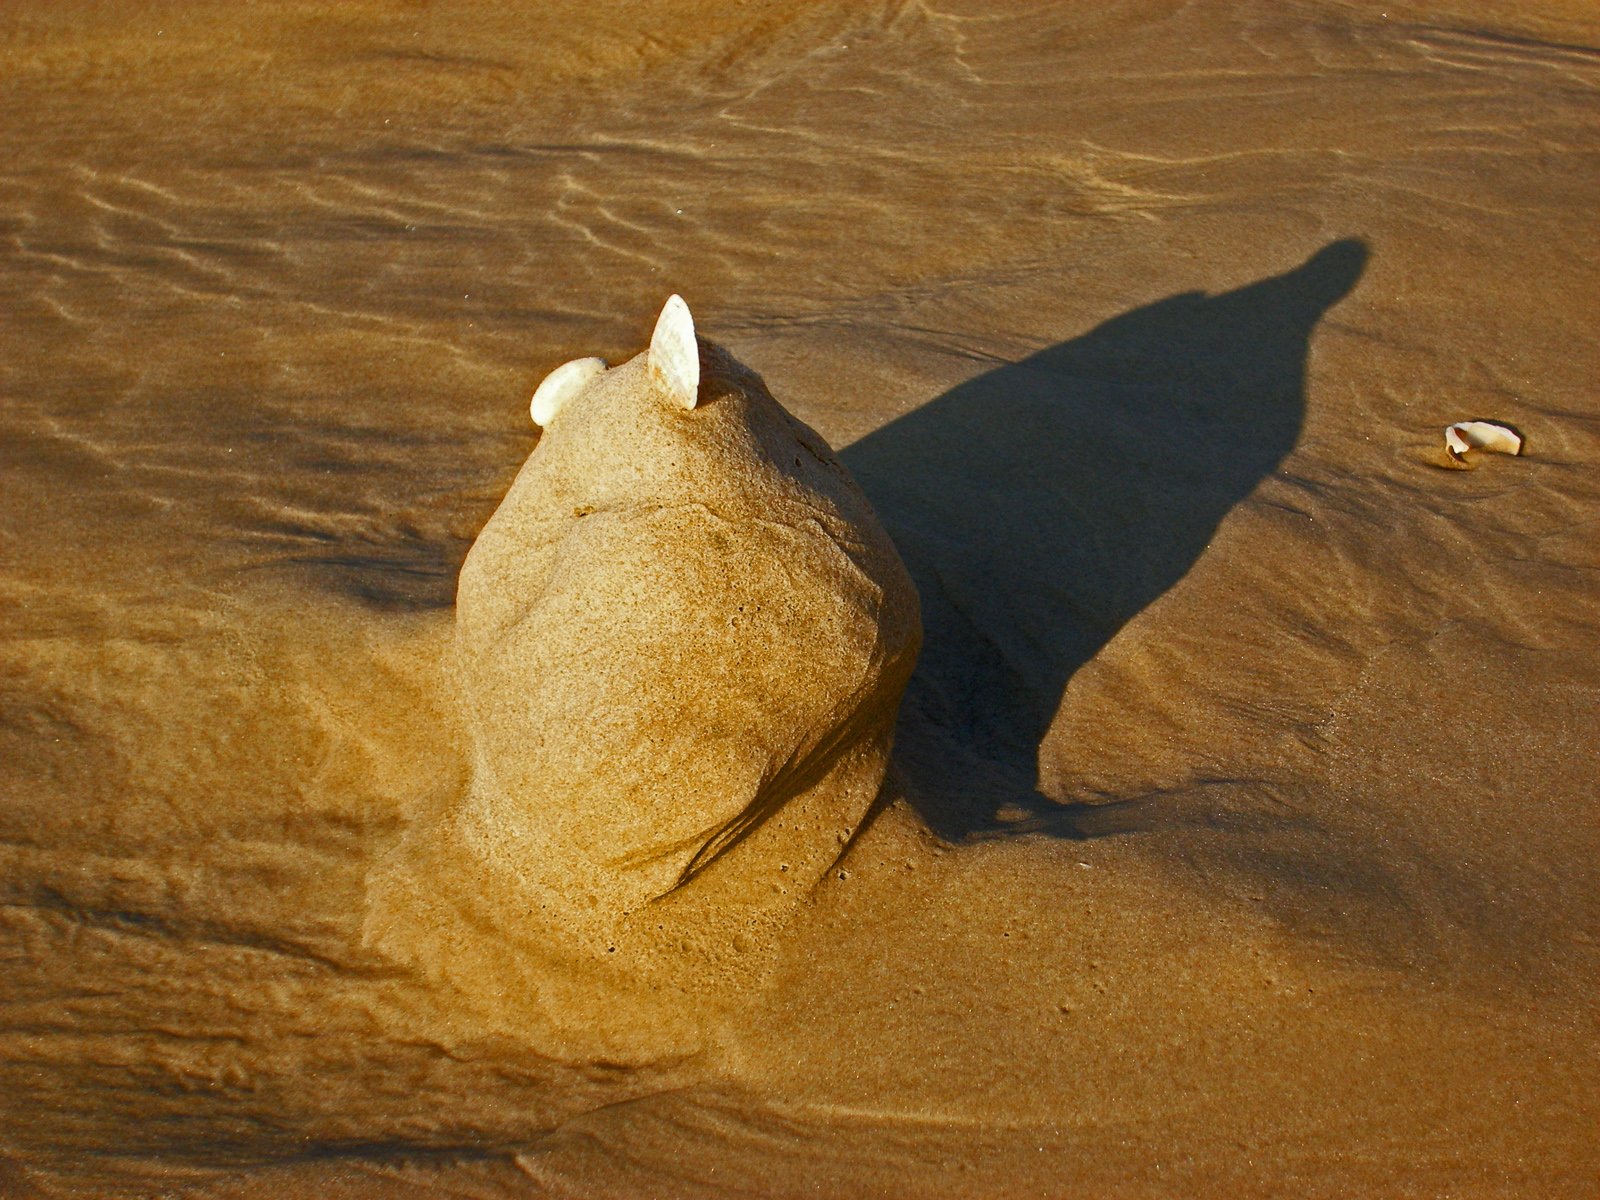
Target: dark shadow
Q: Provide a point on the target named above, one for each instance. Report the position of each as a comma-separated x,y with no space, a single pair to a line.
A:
1041,506
408,573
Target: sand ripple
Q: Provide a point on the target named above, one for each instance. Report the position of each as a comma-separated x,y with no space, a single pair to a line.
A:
1247,839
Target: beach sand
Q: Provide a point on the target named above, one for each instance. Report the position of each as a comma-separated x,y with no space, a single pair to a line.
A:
1242,836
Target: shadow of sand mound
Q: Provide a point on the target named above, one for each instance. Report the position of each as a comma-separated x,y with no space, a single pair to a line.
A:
1041,506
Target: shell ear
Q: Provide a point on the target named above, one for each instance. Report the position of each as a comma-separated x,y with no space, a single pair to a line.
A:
561,385
674,353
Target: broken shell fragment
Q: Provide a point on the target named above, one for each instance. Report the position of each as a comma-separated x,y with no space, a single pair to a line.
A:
1481,435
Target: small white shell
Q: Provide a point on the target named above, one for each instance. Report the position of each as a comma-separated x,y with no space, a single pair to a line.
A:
1481,435
561,385
674,354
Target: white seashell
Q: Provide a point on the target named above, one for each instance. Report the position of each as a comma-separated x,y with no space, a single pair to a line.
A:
561,385
674,353
1481,435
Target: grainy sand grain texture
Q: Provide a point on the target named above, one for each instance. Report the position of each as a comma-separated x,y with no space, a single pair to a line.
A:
1242,837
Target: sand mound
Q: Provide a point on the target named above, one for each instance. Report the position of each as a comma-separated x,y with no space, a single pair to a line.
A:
681,641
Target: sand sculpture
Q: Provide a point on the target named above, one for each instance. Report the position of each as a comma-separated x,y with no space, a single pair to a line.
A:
681,641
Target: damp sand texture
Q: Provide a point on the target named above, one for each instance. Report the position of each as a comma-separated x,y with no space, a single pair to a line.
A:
1243,837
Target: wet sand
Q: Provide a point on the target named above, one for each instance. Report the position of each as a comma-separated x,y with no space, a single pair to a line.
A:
1242,838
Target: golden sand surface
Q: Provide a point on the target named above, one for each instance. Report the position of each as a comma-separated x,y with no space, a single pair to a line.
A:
1243,837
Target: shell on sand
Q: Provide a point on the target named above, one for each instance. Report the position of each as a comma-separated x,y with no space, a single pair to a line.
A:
561,385
1481,435
674,355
